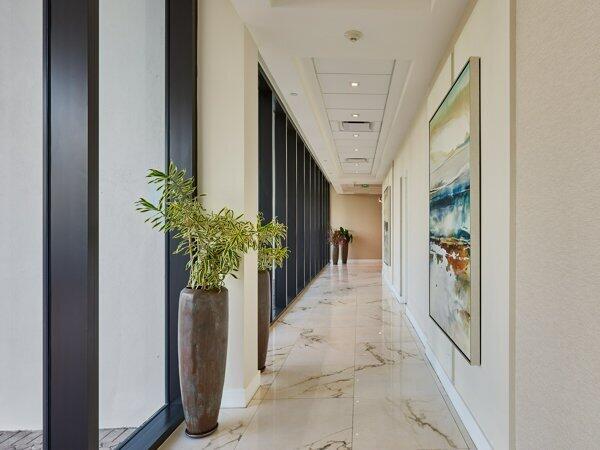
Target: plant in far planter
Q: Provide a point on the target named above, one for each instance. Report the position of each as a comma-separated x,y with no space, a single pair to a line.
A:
334,238
271,253
346,238
214,244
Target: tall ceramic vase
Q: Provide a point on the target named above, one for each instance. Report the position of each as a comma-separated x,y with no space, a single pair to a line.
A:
344,250
335,253
203,328
264,307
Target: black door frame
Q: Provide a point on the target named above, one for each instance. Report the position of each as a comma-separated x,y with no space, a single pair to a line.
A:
70,279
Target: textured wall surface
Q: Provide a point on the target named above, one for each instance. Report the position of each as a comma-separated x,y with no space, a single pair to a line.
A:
485,389
361,214
558,215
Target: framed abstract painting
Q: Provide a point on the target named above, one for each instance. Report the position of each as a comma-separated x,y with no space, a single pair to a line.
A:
454,220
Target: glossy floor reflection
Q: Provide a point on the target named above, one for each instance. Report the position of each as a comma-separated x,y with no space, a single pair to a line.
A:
343,371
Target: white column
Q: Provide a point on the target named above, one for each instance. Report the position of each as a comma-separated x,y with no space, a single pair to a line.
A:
228,169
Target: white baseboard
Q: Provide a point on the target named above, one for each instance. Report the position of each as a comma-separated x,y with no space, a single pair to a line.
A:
461,408
392,288
240,397
362,261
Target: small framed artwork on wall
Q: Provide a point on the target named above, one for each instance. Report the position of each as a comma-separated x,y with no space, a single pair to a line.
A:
387,232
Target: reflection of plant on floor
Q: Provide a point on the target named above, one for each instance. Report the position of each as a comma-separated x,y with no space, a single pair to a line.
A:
269,238
345,234
213,241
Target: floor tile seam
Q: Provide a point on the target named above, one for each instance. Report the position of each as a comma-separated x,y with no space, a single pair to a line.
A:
299,297
402,397
438,386
253,415
354,374
271,400
340,397
448,404
276,374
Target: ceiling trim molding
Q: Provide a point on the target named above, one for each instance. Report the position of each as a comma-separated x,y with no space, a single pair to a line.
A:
290,113
382,160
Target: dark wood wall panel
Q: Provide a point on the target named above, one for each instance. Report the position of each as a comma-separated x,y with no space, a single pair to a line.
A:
280,195
291,211
300,243
295,191
307,216
315,240
265,149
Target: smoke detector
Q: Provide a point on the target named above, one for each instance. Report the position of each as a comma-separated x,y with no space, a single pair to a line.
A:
353,35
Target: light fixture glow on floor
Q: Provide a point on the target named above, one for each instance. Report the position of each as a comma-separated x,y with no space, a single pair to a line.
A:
336,380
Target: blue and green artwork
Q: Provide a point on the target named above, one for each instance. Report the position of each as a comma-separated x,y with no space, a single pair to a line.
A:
450,214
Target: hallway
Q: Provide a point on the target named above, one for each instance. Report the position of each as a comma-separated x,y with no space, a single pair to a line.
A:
343,371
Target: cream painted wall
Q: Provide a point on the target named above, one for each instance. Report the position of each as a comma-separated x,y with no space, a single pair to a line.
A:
361,214
482,392
228,168
558,216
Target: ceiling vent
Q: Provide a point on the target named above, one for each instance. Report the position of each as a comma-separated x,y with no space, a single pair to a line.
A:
357,160
356,126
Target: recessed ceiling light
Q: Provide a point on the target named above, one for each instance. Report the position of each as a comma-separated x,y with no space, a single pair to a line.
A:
356,171
356,135
355,149
354,83
294,94
356,164
355,115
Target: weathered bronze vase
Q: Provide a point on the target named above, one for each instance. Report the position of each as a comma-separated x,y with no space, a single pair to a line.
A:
344,251
203,328
335,253
264,308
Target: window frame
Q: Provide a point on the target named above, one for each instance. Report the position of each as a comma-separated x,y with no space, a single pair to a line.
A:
70,260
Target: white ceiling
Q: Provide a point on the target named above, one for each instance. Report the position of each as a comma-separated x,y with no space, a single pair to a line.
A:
354,90
303,49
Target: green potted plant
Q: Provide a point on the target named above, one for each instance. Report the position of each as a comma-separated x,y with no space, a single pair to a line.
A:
271,253
345,239
214,243
334,238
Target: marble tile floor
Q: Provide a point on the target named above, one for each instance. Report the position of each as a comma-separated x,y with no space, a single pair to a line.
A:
344,370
